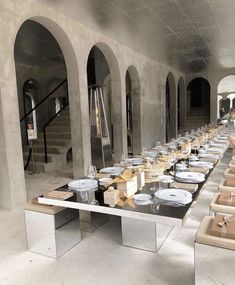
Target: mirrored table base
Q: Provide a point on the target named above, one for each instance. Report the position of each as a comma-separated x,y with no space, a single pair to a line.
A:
145,235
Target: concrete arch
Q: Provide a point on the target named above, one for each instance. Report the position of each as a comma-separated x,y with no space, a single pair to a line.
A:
79,141
227,84
181,106
170,107
117,102
136,109
199,102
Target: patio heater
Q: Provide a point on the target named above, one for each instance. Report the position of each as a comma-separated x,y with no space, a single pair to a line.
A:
100,140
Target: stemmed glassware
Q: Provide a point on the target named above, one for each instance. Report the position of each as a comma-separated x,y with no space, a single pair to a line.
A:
154,175
91,193
92,172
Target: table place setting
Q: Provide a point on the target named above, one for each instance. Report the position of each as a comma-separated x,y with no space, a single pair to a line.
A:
173,197
190,177
201,164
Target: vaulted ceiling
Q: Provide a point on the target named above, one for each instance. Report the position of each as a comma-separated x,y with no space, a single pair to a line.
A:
193,35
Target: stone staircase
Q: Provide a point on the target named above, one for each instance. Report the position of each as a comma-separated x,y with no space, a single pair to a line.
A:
58,135
197,117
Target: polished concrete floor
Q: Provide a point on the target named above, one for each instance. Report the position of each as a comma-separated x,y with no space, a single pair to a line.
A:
100,258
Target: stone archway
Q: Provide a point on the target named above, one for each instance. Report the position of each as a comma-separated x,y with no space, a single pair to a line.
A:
117,102
12,187
198,102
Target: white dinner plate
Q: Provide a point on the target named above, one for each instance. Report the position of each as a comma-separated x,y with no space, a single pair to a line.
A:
190,177
112,170
142,197
173,195
105,181
213,149
209,155
134,161
83,184
166,179
142,203
204,164
151,154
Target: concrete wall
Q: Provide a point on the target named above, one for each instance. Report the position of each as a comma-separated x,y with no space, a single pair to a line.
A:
76,42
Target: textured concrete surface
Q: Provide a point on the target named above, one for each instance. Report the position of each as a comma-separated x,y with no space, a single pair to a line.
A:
76,41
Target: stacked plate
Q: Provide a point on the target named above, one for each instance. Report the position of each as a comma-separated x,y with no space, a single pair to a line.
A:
173,197
134,160
105,182
204,164
83,185
142,199
151,154
208,155
190,177
116,171
213,149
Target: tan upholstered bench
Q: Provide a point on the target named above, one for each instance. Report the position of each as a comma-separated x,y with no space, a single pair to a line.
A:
229,173
216,208
51,230
214,256
227,184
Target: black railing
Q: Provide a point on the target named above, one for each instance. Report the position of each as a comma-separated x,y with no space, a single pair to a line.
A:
24,118
43,100
44,131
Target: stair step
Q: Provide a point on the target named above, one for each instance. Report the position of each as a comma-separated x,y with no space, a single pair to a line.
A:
57,129
60,123
38,157
62,117
56,135
40,149
38,166
51,142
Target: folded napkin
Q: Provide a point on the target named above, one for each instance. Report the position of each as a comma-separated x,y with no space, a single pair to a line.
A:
209,159
102,175
125,177
227,198
223,226
61,195
200,170
185,186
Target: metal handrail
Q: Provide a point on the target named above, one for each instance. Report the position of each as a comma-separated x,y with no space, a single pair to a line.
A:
44,131
43,100
33,109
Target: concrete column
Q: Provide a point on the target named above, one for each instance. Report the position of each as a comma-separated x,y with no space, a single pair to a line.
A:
219,98
119,116
173,108
79,115
213,102
12,182
183,103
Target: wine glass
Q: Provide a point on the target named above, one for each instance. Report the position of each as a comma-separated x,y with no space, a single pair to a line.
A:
157,144
92,171
154,176
123,159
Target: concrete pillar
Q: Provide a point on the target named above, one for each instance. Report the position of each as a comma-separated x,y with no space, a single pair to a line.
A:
79,116
219,98
119,117
12,182
213,102
183,102
173,106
